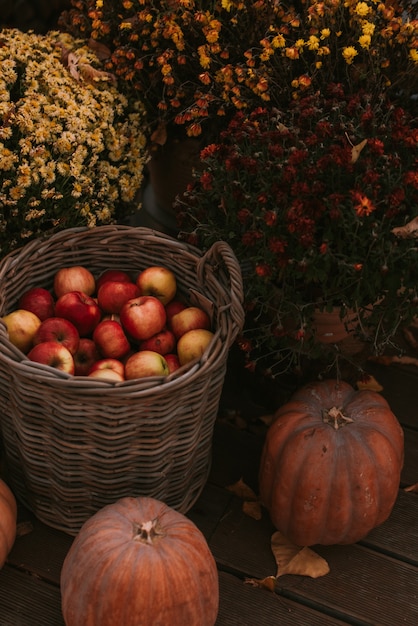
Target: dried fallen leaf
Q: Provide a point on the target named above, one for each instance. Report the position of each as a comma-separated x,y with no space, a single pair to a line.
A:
268,583
369,382
297,560
72,61
398,360
266,419
92,75
159,136
243,491
355,152
24,528
101,51
412,488
409,231
252,509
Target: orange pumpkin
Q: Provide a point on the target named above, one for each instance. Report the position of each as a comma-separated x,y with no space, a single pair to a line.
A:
8,515
138,562
331,464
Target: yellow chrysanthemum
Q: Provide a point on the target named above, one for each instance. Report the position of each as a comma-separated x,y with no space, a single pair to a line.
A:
349,53
413,53
362,9
365,41
312,43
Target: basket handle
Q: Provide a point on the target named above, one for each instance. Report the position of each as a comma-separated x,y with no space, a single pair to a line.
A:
220,257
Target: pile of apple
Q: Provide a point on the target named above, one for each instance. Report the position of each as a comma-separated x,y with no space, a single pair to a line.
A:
114,327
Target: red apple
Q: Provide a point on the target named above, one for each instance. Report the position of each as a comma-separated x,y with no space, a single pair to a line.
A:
38,300
163,342
193,344
190,318
21,328
86,355
173,307
110,339
107,374
74,278
58,329
109,364
157,281
112,295
145,363
54,354
119,276
172,361
82,310
143,317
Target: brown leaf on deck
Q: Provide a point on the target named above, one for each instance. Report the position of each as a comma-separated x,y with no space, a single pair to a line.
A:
252,509
412,488
297,560
369,382
243,491
24,528
266,419
267,583
251,505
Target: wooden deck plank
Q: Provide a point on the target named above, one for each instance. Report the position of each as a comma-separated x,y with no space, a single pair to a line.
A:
370,588
398,536
26,600
244,605
358,575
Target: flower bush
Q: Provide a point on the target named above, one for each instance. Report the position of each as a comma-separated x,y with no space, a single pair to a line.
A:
194,62
72,149
315,201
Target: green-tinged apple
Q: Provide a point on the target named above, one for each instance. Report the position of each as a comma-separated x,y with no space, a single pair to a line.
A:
21,328
86,355
58,329
74,278
114,275
109,364
112,295
54,354
157,281
172,361
82,310
111,340
144,364
190,318
142,317
38,300
163,342
107,374
193,344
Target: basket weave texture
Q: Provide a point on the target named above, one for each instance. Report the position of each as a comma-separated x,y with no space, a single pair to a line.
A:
73,444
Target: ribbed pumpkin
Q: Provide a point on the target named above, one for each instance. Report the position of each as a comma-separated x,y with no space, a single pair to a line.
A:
138,562
331,464
8,514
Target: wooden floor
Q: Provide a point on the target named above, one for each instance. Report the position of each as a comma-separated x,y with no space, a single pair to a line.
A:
373,583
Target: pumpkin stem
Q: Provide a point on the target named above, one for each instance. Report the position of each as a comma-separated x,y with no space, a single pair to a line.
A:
148,531
336,417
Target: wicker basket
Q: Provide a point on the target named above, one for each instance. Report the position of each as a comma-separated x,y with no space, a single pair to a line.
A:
72,444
